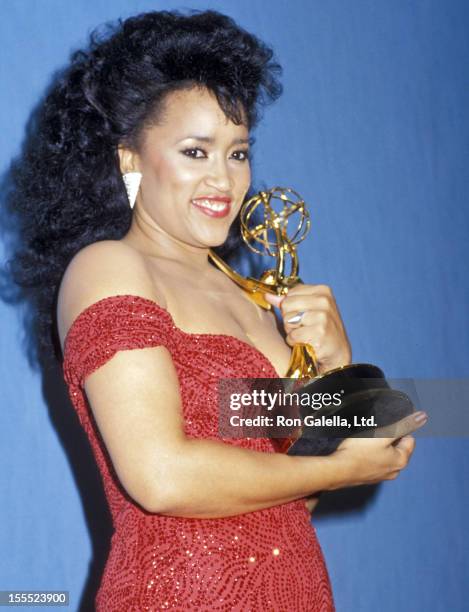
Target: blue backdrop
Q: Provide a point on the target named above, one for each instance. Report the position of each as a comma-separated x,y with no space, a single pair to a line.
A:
373,131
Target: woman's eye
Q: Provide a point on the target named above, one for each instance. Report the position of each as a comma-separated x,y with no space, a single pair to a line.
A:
195,153
242,155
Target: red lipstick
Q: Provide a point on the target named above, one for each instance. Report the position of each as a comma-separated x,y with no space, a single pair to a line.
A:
213,206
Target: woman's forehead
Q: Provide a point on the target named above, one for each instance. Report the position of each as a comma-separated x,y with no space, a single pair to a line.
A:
195,112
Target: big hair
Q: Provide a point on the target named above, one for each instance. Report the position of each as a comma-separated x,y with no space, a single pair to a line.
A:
68,189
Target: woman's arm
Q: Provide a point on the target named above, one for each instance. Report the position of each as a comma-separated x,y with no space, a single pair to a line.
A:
136,402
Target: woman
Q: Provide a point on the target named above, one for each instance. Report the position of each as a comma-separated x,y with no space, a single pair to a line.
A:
147,325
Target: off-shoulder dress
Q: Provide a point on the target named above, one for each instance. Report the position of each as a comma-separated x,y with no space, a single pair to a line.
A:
261,561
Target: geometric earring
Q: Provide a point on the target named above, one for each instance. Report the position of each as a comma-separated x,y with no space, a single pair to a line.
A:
132,184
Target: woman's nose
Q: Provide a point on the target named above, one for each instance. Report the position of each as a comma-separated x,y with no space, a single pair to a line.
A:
220,177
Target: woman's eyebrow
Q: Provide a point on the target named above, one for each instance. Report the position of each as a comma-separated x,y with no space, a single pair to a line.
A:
210,140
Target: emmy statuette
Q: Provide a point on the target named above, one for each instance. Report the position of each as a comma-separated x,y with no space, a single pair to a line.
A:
265,219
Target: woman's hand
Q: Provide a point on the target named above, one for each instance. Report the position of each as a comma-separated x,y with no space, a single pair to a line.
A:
320,325
365,461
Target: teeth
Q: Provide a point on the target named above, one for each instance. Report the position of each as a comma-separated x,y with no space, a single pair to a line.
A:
216,206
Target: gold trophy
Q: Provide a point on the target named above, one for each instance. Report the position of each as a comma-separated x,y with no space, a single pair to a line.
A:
366,395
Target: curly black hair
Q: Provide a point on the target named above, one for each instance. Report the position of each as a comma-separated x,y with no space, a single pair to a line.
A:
68,190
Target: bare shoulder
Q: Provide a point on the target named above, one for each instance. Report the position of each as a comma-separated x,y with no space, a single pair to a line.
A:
99,270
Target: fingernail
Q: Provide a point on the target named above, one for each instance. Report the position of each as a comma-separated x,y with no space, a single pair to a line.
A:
274,299
420,417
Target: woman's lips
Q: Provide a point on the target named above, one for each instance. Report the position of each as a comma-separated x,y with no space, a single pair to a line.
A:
213,207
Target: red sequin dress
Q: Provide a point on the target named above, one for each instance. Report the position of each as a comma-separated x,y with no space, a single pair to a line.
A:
267,560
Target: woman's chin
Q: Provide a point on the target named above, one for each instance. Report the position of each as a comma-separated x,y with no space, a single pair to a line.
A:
213,240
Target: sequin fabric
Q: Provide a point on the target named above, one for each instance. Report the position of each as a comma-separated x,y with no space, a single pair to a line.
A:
262,561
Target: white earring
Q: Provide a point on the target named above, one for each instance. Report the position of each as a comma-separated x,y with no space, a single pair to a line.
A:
132,184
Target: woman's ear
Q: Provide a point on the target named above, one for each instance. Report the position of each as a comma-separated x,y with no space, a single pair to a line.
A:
128,160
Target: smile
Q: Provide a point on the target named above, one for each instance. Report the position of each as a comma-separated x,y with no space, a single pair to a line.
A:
212,208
